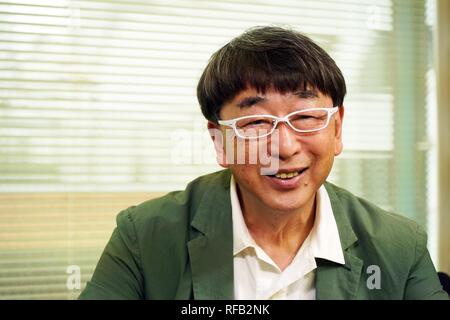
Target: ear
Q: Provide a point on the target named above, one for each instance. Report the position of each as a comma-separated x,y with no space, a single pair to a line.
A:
339,118
217,137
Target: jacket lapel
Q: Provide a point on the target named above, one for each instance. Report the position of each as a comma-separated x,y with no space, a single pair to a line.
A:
211,249
335,281
211,245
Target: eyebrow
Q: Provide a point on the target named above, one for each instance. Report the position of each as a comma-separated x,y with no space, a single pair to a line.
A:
253,100
306,94
250,101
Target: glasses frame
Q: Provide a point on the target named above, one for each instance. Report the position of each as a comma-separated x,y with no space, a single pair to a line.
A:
276,120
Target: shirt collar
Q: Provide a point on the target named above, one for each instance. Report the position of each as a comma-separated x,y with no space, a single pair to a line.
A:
324,238
241,236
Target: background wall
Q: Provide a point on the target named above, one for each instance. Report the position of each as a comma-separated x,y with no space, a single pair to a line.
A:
98,112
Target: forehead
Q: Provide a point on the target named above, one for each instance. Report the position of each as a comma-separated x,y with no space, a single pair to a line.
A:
251,97
251,101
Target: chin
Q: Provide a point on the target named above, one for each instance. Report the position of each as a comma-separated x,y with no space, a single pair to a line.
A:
290,201
287,206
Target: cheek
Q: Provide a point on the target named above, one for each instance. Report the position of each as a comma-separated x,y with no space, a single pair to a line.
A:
248,152
322,145
323,150
245,176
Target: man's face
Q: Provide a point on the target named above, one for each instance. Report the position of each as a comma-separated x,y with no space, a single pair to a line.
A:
309,155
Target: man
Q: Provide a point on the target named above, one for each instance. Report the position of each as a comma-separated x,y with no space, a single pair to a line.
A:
269,226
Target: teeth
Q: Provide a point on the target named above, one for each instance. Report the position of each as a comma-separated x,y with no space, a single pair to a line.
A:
288,175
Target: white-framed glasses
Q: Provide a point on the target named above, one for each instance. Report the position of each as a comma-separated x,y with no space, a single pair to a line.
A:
260,126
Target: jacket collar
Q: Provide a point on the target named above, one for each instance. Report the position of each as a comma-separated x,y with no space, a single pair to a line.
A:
335,281
211,248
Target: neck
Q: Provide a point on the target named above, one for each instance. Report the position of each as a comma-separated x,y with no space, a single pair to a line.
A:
279,233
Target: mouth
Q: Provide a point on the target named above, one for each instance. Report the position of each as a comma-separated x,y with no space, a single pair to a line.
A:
287,179
288,174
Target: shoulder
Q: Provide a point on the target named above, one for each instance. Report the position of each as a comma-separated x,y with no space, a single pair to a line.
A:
379,232
173,211
373,218
395,244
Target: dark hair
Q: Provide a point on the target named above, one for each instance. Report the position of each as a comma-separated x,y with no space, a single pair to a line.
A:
267,58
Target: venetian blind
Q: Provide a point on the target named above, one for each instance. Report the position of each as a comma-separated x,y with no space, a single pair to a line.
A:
98,112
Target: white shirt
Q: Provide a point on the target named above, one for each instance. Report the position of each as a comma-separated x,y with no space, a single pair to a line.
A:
256,276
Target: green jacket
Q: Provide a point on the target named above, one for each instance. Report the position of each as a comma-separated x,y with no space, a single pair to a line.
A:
180,246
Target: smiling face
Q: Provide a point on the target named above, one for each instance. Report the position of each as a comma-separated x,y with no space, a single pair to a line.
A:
304,160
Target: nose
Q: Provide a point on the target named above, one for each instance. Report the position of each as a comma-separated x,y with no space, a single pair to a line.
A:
288,142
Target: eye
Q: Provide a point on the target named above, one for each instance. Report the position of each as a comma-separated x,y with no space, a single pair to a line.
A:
306,116
257,122
311,115
300,117
254,122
